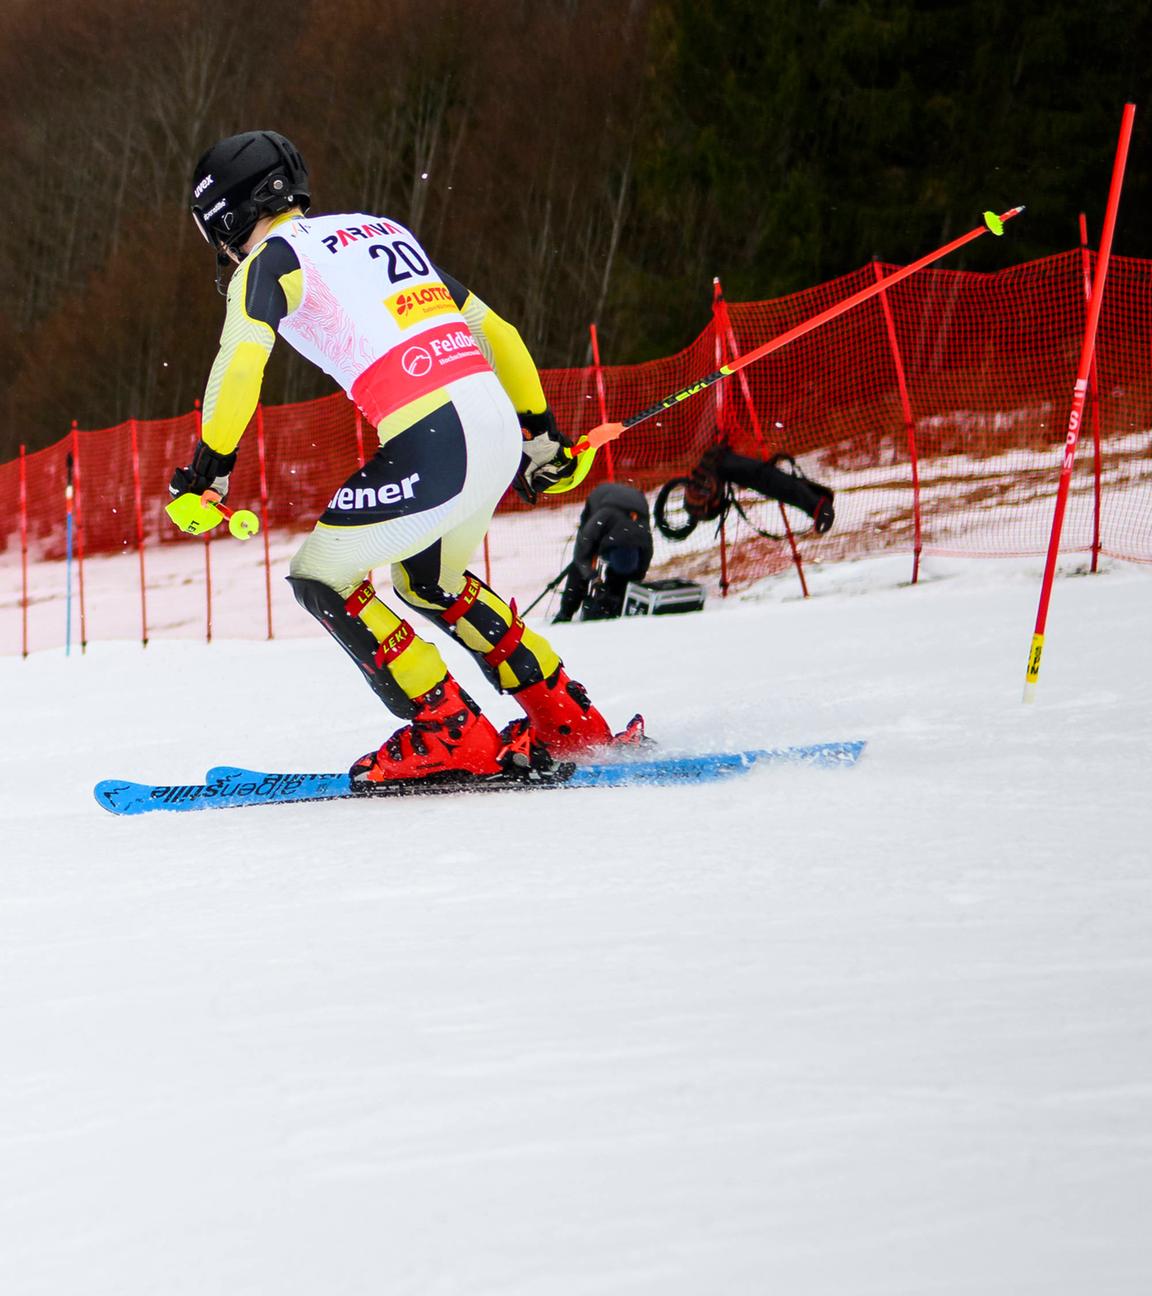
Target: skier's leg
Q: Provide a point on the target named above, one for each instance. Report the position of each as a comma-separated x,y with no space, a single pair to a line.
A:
514,657
408,674
397,665
447,731
511,654
372,521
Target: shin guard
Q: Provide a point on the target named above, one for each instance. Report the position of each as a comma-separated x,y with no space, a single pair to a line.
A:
356,639
511,655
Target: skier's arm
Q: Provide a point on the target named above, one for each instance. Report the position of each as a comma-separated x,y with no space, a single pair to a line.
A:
547,463
503,348
264,289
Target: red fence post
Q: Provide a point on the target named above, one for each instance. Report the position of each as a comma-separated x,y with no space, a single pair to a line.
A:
724,321
1094,389
80,537
718,348
23,551
207,551
69,542
207,586
600,396
139,533
909,425
724,324
264,514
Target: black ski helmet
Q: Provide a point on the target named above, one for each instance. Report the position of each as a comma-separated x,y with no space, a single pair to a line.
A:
241,179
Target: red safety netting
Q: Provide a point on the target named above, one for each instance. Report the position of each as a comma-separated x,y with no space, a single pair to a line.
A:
936,411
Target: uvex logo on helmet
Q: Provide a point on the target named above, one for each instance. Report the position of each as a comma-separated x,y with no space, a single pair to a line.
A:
260,173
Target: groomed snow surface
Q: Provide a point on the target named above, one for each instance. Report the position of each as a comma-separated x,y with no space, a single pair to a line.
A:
884,1030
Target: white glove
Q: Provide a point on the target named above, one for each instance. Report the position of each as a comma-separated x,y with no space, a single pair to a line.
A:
543,461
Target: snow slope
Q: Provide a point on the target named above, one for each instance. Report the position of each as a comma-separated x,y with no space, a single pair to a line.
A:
877,1031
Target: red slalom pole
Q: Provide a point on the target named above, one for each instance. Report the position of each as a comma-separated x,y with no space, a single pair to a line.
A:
606,432
1079,396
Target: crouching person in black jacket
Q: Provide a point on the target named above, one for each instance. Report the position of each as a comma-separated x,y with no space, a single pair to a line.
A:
613,547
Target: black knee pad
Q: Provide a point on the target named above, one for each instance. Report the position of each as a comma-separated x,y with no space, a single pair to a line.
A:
355,638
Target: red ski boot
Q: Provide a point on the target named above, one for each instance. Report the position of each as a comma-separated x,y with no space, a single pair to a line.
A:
447,741
562,717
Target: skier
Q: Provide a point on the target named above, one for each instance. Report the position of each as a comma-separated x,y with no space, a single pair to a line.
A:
460,412
614,546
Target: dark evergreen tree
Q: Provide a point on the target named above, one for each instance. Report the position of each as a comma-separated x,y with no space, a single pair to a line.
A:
789,143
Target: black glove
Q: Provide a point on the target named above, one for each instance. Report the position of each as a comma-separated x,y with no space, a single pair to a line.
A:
207,471
543,462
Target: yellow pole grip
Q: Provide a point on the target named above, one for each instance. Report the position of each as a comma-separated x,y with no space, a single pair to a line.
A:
1033,674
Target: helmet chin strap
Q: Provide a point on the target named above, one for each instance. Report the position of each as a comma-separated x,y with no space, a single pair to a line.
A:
222,263
225,262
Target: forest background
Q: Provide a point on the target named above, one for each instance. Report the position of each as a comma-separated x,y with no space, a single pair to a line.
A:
570,160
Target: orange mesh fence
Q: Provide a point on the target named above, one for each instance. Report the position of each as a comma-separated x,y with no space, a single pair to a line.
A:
935,411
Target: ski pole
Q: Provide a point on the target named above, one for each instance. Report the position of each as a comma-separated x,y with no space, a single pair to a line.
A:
610,431
196,514
546,590
242,523
68,557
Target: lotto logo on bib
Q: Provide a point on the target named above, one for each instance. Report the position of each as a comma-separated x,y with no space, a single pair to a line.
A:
415,305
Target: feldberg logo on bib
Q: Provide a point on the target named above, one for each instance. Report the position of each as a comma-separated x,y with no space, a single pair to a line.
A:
416,361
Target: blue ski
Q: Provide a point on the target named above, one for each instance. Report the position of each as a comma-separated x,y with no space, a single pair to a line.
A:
228,786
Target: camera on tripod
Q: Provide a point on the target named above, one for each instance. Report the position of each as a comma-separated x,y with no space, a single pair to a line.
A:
707,495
